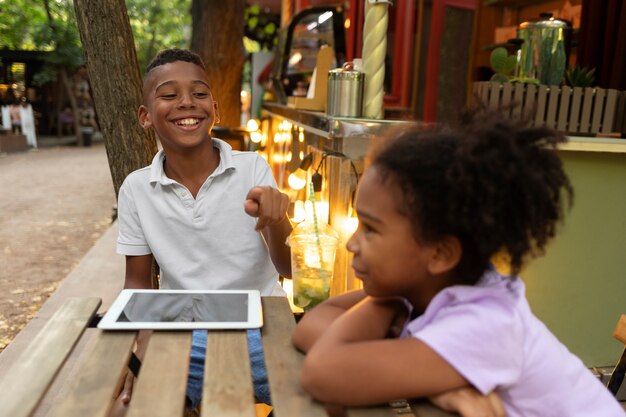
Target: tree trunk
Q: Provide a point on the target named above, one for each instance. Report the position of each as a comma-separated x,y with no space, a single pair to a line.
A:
217,36
58,105
116,84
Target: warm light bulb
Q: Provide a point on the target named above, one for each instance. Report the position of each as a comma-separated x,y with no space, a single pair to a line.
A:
256,137
322,209
297,179
298,212
350,224
252,126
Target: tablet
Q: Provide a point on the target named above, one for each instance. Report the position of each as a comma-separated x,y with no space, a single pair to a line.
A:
184,310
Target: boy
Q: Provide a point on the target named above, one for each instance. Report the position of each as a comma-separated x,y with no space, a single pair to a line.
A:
194,208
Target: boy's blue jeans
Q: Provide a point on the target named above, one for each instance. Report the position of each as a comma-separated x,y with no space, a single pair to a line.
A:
257,363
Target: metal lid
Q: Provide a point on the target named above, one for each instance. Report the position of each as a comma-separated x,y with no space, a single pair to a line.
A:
547,23
343,74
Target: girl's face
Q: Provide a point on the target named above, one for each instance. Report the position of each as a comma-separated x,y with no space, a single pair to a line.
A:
387,258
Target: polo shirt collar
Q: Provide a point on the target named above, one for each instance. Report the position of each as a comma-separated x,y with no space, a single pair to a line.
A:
157,173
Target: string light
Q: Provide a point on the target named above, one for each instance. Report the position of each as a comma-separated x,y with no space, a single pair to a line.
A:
297,179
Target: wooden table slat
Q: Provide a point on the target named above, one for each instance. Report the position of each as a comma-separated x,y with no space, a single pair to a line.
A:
370,412
227,393
423,408
91,392
161,385
25,383
284,363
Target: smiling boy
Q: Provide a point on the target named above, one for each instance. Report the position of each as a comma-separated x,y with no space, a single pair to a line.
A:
211,217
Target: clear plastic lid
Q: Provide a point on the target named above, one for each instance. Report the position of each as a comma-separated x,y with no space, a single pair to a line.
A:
307,233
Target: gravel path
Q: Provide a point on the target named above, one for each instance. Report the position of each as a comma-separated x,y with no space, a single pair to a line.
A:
55,202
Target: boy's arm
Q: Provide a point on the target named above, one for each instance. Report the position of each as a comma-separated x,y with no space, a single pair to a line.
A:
315,322
138,272
138,276
270,207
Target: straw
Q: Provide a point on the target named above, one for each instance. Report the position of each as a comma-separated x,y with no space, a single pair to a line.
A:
317,232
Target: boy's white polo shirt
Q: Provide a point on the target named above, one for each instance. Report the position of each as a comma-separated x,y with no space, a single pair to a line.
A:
204,243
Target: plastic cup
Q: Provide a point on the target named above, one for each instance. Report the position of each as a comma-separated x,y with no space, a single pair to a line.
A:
312,264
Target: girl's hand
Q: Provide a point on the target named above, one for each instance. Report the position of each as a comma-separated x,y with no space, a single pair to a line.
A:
468,402
267,204
401,314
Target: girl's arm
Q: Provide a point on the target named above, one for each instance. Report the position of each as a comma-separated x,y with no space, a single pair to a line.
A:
315,322
353,352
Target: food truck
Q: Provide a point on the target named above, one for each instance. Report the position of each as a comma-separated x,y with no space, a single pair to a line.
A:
437,60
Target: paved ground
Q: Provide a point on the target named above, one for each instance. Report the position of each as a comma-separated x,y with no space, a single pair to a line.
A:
55,202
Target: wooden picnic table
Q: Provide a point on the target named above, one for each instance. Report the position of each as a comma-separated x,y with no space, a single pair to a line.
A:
161,384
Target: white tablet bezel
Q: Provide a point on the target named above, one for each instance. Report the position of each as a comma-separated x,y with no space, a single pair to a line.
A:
255,313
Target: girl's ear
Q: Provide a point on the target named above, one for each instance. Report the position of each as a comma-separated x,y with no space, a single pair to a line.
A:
144,117
446,255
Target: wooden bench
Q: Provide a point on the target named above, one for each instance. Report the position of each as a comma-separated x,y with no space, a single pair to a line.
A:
10,142
99,274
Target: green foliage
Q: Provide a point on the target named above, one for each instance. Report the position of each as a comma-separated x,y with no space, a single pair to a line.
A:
261,26
580,77
24,25
158,25
61,36
525,80
17,18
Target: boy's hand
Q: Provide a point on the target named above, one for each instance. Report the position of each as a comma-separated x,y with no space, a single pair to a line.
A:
267,204
468,402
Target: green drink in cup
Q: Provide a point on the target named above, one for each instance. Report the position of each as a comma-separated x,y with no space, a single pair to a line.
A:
312,263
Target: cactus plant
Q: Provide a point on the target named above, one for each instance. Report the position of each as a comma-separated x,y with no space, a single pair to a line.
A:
580,77
502,64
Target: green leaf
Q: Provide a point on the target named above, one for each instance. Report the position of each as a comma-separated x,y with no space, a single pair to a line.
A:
499,78
270,29
525,80
498,59
253,22
510,64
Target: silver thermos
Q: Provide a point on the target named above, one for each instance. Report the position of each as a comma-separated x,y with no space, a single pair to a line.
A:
345,91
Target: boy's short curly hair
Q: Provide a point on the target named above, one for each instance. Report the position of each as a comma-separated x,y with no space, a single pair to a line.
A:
172,55
493,183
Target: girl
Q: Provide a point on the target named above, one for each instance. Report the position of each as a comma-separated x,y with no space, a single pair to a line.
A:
434,208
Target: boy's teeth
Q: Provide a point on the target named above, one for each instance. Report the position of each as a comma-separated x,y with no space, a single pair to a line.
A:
187,122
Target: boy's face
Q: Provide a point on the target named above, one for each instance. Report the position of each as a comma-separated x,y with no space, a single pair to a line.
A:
178,104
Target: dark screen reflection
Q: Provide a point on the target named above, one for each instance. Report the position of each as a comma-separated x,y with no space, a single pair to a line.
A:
163,307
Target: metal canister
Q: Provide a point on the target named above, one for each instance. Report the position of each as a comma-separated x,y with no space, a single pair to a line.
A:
545,50
345,92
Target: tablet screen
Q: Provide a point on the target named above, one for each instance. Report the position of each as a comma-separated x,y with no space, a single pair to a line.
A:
184,309
156,308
